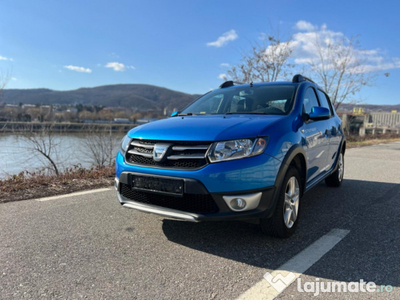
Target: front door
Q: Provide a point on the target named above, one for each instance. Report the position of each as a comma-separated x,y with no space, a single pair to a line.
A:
315,138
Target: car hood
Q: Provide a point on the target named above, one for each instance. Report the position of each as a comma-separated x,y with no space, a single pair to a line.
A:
204,128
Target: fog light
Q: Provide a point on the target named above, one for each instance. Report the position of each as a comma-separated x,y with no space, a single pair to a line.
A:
238,203
242,202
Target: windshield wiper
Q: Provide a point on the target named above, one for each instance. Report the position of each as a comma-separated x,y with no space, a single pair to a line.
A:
247,113
188,114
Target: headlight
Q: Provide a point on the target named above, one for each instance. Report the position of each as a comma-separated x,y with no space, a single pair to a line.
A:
236,149
125,144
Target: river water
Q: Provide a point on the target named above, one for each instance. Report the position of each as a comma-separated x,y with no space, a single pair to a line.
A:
17,154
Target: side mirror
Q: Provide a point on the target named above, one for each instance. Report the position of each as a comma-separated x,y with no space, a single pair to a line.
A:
175,113
319,113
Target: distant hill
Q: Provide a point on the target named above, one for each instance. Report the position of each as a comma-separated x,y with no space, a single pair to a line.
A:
140,96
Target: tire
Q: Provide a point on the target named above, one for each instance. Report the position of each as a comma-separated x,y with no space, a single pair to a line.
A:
336,178
283,222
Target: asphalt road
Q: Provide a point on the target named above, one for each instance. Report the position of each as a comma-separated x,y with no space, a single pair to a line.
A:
88,246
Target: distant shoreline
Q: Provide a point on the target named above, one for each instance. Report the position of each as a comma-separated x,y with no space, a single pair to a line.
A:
63,127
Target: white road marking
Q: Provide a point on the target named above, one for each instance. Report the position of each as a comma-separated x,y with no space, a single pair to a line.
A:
296,265
74,194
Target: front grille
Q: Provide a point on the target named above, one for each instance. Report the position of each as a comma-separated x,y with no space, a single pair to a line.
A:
181,155
201,204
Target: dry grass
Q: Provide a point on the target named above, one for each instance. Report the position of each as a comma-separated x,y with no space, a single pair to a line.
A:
29,185
354,141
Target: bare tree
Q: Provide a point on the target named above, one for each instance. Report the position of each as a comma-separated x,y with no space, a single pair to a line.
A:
100,142
339,67
4,79
43,143
336,63
265,63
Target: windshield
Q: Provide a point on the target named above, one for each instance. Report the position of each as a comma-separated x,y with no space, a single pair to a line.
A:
270,100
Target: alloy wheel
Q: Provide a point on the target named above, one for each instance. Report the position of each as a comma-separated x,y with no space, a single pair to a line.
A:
341,167
291,205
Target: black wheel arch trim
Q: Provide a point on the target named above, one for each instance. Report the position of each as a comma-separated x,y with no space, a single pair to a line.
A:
286,162
342,149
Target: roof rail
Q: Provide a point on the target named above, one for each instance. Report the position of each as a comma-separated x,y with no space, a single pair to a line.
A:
300,78
229,83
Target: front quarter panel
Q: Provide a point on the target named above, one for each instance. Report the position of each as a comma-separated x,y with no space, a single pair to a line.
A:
285,133
286,140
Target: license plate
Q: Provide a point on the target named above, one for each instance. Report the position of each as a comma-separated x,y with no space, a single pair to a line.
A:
154,184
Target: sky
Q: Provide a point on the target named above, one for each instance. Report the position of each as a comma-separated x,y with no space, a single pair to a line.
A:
181,45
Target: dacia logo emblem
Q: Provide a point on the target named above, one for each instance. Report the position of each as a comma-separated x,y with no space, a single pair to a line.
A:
160,151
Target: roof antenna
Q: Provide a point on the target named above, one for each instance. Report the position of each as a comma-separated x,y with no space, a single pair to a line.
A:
251,84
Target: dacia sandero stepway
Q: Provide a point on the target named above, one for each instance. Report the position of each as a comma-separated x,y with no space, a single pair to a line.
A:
239,152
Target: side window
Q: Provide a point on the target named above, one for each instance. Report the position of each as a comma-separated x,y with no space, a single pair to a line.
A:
324,101
310,100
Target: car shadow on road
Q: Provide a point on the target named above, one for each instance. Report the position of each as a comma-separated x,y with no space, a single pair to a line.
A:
369,252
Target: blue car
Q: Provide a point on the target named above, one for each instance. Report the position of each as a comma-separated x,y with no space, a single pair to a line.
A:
239,152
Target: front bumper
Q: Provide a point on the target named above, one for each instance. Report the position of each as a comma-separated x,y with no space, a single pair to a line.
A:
196,204
251,173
